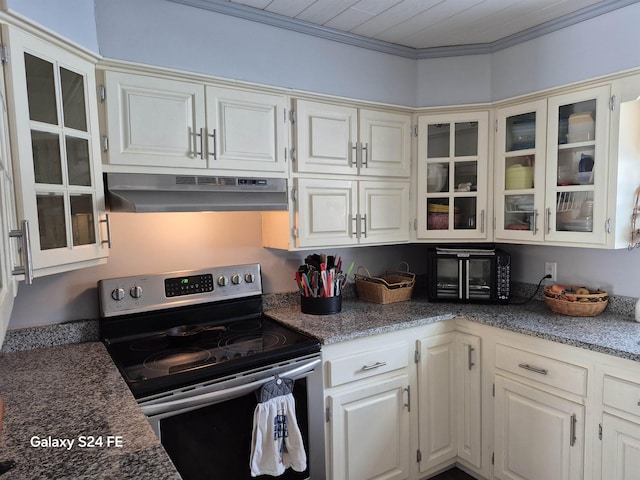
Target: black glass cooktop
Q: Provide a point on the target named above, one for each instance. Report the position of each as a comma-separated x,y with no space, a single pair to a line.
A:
153,358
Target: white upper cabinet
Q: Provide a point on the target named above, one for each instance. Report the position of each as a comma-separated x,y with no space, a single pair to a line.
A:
246,130
577,153
453,173
519,184
175,124
338,139
385,143
8,245
56,156
349,212
567,167
154,121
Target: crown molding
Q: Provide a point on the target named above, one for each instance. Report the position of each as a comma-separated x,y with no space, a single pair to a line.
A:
226,7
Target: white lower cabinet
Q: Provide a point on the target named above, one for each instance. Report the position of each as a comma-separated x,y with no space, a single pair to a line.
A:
507,406
383,414
620,425
538,436
620,448
437,394
368,406
370,431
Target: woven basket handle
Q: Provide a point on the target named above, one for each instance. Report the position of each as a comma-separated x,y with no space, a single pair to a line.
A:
365,269
400,265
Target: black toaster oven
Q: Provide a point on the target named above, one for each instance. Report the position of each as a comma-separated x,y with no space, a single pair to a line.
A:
464,274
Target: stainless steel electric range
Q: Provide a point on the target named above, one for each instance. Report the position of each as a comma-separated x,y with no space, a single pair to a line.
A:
194,346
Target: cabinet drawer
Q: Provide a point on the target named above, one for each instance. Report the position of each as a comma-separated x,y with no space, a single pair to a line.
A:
366,364
555,373
621,394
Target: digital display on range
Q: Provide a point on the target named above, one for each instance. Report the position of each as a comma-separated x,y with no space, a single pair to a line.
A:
175,287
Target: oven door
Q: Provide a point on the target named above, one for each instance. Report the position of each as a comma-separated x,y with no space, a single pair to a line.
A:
207,429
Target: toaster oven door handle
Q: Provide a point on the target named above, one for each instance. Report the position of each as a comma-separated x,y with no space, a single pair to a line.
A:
460,280
466,279
165,406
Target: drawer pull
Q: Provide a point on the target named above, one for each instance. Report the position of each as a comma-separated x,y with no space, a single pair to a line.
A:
373,366
526,366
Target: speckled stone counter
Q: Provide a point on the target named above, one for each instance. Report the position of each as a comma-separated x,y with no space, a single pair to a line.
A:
74,393
611,332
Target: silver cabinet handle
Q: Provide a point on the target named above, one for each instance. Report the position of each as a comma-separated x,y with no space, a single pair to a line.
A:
526,366
572,434
364,225
27,269
534,219
408,404
364,162
548,220
356,221
607,225
481,221
201,135
373,366
107,222
354,154
470,350
215,148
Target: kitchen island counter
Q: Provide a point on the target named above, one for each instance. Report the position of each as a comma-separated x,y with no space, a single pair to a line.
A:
610,333
70,415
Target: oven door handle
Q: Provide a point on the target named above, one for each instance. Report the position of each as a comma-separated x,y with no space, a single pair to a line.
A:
222,395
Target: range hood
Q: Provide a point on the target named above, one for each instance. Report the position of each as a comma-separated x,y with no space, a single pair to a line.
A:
142,192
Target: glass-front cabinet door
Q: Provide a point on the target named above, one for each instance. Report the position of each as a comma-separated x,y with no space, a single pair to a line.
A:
520,172
452,176
577,167
58,175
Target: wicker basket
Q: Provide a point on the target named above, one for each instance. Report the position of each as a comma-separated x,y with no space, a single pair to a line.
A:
396,286
585,305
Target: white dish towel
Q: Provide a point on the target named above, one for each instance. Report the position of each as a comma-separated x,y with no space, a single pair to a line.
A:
276,443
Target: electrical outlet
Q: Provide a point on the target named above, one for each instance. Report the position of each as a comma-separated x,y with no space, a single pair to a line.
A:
551,268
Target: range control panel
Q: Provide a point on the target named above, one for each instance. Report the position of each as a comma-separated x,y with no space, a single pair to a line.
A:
146,293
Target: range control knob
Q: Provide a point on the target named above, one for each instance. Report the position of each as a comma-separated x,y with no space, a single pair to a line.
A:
222,280
118,294
249,277
136,291
236,279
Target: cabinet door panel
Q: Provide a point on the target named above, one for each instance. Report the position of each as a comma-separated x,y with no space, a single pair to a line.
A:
326,212
154,121
437,398
386,142
534,436
520,172
620,448
576,200
468,399
386,209
58,179
370,432
453,173
326,137
245,130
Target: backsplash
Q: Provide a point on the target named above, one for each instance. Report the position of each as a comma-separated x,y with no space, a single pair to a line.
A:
87,330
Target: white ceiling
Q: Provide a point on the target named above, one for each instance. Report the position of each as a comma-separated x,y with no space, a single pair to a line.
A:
419,28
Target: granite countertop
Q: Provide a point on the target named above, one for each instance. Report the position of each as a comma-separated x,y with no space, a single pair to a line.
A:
611,332
72,393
